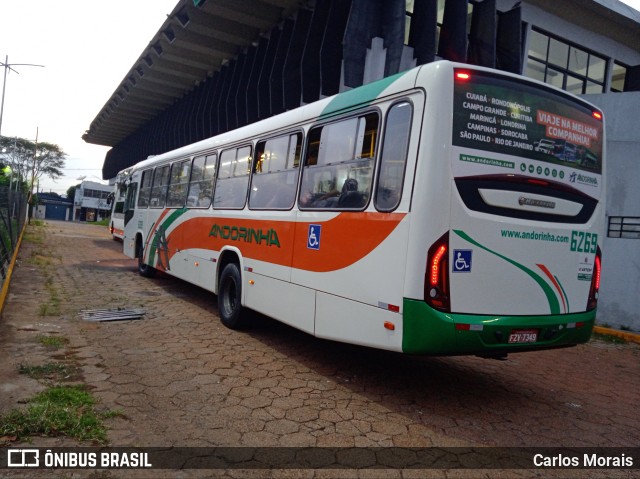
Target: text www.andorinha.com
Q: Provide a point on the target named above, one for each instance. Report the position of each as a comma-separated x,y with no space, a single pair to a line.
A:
535,235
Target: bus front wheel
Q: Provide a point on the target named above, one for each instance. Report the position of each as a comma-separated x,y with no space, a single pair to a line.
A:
229,297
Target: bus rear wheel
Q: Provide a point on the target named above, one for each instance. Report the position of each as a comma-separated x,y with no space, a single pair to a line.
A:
143,268
229,297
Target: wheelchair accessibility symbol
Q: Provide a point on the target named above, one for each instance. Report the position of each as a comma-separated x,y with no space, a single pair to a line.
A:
313,237
462,260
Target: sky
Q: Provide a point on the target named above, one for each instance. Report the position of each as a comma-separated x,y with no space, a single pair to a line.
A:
87,48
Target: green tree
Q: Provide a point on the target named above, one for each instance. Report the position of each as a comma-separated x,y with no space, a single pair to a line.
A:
71,191
32,160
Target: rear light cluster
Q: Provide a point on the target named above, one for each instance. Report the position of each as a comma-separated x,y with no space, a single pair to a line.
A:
436,281
595,282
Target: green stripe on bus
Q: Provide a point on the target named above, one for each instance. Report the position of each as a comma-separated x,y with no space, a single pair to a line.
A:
564,293
164,226
554,304
359,97
427,331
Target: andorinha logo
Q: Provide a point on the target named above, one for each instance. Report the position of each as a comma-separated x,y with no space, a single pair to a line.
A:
247,235
583,179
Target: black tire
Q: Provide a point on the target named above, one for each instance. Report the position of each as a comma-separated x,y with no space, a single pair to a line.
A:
229,297
143,268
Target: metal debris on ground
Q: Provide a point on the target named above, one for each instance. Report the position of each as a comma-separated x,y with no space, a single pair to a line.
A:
119,314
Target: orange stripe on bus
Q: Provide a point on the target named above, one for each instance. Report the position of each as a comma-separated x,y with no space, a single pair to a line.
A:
154,228
344,240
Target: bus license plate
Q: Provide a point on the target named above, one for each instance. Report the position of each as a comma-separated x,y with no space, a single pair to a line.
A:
523,336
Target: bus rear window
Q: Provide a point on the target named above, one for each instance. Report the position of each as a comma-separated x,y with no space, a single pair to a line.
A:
506,116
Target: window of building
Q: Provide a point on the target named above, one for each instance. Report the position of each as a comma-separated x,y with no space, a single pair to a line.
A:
618,76
178,184
409,8
201,185
159,187
564,65
338,169
407,20
394,156
89,193
233,178
624,227
275,173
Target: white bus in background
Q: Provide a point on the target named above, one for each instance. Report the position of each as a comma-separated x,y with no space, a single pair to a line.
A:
117,197
411,214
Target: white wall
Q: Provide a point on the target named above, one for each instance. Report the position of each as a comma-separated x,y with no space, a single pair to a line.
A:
619,303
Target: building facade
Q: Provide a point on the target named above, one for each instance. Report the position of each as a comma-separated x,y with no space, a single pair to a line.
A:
91,202
51,206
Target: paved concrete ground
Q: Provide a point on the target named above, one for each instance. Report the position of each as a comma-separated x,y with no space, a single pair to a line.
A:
182,379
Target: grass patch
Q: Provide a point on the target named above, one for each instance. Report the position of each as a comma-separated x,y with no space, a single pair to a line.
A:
58,411
49,309
53,341
608,338
43,259
49,372
103,222
37,259
34,233
33,237
53,306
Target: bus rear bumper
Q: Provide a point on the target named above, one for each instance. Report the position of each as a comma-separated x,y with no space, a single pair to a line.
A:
428,331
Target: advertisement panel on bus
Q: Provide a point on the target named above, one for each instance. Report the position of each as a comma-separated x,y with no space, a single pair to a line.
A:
527,130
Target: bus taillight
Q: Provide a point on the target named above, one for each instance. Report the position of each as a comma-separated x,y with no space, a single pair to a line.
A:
595,282
436,281
462,75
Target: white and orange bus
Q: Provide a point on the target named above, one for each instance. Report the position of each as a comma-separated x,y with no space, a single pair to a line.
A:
428,212
117,197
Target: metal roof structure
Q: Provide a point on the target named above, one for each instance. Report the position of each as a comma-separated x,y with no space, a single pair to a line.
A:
194,42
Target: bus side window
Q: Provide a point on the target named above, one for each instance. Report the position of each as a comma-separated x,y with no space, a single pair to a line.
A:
338,170
275,173
178,183
145,189
130,199
201,185
159,187
233,178
394,157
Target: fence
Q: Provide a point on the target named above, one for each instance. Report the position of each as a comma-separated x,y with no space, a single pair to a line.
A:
13,214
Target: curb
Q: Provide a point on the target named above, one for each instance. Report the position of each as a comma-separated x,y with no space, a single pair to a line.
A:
7,279
627,336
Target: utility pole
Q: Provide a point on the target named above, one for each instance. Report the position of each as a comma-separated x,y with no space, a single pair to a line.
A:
33,176
9,66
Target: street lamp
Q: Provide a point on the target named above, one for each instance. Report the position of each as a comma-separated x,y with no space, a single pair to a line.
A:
9,66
